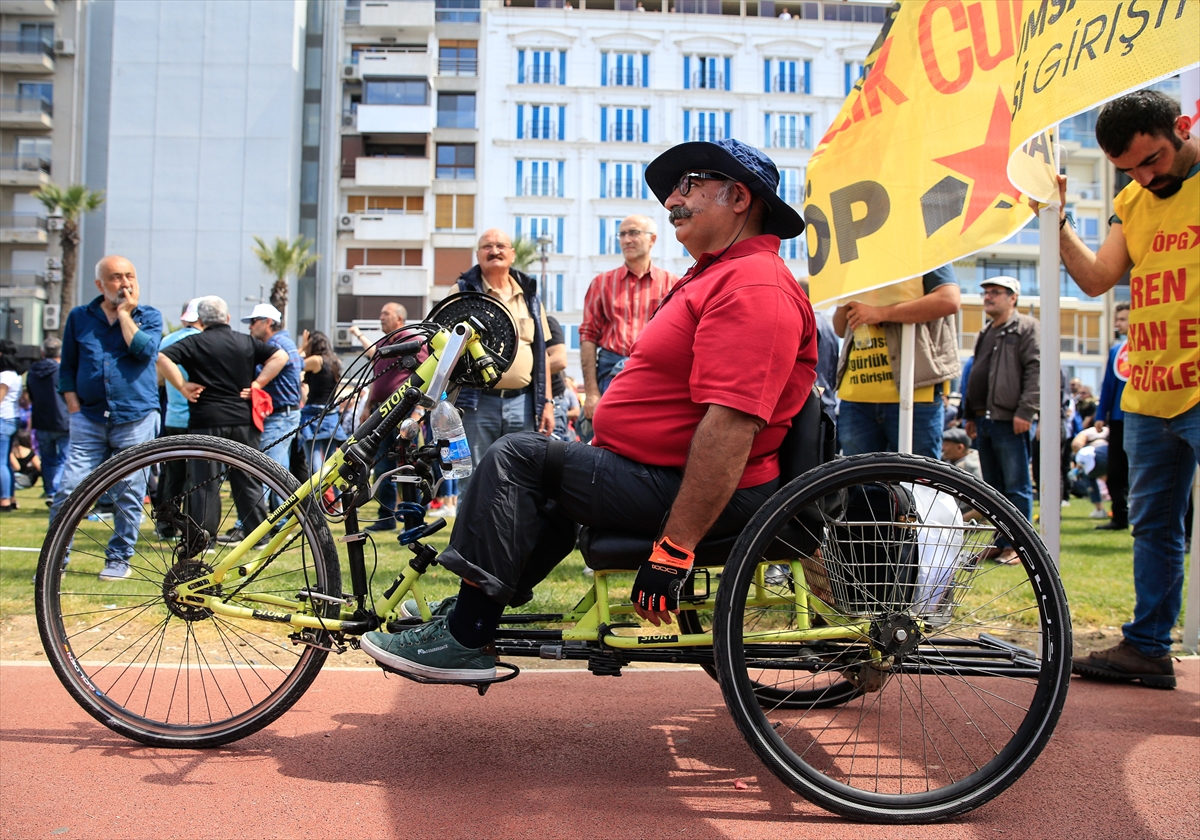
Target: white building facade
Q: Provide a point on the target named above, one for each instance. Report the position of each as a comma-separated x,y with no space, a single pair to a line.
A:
578,101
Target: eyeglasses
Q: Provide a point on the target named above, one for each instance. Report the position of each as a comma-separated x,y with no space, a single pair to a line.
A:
687,181
631,234
497,246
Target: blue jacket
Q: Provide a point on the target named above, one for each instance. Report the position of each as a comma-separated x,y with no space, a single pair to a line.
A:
1109,407
472,281
115,383
49,410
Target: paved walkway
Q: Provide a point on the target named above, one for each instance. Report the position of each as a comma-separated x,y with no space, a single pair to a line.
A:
550,755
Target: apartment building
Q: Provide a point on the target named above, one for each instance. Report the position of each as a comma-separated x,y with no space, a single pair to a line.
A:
40,119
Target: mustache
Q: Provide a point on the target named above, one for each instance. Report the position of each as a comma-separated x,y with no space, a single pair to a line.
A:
678,213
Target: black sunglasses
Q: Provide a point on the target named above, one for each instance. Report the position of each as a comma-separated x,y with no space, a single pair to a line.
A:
686,182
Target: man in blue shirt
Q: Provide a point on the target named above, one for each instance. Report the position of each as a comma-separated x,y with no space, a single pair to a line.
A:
266,324
108,380
174,476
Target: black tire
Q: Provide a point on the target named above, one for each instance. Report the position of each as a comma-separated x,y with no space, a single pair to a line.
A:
964,674
158,672
834,691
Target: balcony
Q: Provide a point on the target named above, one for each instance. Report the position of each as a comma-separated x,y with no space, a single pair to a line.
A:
26,112
394,14
391,227
787,83
24,170
624,133
1084,192
394,119
540,187
541,130
788,140
623,77
25,55
22,229
393,63
710,80
392,282
540,76
711,135
458,66
624,188
392,172
21,280
33,8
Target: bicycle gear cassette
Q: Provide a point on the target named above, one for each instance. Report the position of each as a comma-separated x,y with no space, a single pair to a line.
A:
498,331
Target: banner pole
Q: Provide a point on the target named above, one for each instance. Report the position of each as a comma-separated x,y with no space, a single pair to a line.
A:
1049,415
908,349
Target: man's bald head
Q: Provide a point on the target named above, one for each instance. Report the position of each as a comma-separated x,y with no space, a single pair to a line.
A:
636,236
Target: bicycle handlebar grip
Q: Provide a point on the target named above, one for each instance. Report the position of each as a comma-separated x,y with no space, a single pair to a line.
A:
404,348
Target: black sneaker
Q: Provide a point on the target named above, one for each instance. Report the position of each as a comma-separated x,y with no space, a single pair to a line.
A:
1113,526
382,525
430,652
1126,663
236,535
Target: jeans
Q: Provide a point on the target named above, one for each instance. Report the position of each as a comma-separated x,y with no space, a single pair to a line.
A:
52,449
386,495
875,427
1005,456
1162,459
562,423
276,426
493,418
8,428
91,444
608,365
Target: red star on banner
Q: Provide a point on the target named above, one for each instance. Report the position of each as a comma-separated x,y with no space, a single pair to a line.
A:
1195,236
986,164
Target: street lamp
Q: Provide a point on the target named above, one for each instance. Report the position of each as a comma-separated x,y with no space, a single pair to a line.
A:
544,241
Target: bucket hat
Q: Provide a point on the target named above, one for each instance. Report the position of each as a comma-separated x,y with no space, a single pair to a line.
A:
740,162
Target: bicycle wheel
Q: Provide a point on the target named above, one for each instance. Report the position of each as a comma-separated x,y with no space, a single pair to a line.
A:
962,664
147,665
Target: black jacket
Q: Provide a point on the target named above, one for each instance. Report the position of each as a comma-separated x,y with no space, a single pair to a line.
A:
49,408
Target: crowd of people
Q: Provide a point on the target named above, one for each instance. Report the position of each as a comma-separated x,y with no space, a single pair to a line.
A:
646,395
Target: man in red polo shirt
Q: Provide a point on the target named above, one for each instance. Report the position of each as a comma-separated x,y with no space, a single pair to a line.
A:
617,307
688,434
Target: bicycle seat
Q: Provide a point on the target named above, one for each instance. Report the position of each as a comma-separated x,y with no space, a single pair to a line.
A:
808,444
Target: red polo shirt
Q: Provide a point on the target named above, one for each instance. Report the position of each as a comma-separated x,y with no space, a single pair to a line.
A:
736,332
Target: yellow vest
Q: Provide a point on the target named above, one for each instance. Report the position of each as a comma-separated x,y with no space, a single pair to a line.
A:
1163,239
869,377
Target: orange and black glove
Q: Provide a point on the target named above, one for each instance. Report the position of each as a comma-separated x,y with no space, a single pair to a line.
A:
660,579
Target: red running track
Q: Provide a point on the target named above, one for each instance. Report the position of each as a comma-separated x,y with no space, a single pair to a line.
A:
551,755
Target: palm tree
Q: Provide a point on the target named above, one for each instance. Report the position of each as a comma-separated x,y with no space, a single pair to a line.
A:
525,254
70,203
281,259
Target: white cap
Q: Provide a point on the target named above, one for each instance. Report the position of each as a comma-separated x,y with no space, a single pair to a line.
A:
264,310
1010,283
190,314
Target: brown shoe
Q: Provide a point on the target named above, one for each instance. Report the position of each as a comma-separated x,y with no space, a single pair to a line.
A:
1126,663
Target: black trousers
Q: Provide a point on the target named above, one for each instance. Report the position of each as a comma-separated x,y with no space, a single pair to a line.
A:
249,496
1118,473
509,534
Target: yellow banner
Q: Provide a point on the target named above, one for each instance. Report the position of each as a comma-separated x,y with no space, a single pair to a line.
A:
1073,55
912,174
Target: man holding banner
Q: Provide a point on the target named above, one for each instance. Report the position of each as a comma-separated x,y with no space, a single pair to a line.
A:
1154,233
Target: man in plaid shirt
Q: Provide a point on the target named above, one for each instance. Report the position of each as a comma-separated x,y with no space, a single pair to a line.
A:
617,306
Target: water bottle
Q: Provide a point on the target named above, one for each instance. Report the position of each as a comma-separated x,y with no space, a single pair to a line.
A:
447,426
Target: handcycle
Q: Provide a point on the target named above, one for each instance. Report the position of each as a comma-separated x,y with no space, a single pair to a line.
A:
872,659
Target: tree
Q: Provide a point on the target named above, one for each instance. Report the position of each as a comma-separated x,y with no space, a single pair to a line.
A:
525,254
70,203
280,260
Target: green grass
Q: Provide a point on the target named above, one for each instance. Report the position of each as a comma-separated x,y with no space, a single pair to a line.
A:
1096,568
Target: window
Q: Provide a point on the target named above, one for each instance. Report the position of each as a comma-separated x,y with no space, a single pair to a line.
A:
36,37
455,161
532,227
456,110
791,185
541,67
385,204
624,69
458,58
707,125
36,91
789,249
33,153
852,71
787,131
623,180
1081,128
455,212
456,11
541,122
395,92
356,257
785,75
540,177
701,72
618,125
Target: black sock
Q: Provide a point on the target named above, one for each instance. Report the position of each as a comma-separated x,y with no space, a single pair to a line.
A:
475,617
